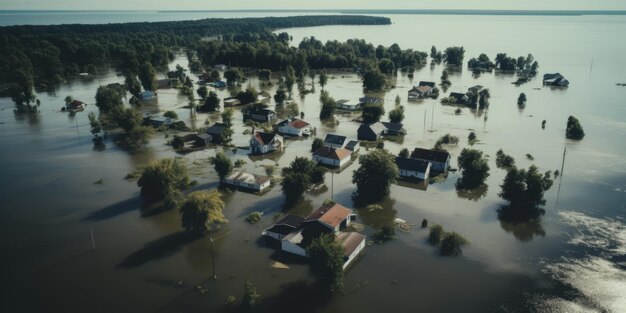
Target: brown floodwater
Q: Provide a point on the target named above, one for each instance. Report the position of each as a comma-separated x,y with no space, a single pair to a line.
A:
572,259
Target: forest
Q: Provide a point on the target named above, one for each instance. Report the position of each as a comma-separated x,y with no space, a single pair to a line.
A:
44,56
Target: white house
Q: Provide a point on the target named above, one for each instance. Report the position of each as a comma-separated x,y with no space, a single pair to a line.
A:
294,127
286,225
337,157
263,142
413,168
348,105
440,160
352,243
353,145
248,181
335,141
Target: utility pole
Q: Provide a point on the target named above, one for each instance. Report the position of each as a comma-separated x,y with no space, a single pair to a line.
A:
213,259
432,118
332,185
93,241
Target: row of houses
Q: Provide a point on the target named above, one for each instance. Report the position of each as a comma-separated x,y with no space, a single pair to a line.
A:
294,234
351,105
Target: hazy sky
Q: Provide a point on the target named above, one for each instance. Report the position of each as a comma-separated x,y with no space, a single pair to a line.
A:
315,4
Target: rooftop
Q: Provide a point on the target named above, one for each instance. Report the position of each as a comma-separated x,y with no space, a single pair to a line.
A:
264,138
331,215
349,241
333,153
335,139
248,178
430,155
412,164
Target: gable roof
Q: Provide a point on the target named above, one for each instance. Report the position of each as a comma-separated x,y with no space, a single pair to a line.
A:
410,164
299,124
333,153
331,215
352,144
349,241
430,155
368,99
264,138
334,139
376,128
248,178
394,127
216,129
290,220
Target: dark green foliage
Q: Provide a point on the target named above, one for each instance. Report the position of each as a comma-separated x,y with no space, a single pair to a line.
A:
374,79
247,96
211,104
524,190
317,143
250,296
132,84
299,177
435,235
264,74
451,244
202,212
454,55
424,223
396,115
386,66
108,99
404,153
253,217
203,92
162,178
222,164
475,169
385,233
372,112
147,76
328,105
130,120
471,138
96,128
323,79
574,130
375,174
178,143
504,160
521,99
171,114
280,96
446,139
327,262
233,76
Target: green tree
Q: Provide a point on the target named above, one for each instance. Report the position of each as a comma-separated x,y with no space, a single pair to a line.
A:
386,66
374,80
327,262
372,112
171,114
108,99
328,105
451,244
398,100
203,92
227,117
404,153
215,75
299,177
524,190
435,234
385,233
147,75
247,96
375,174
68,100
504,160
454,55
396,115
96,128
471,138
162,178
474,169
522,98
202,212
222,164
233,75
290,79
323,79
211,103
178,143
250,296
574,130
484,98
132,84
317,143
280,96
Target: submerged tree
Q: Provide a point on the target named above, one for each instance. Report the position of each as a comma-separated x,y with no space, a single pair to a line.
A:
451,244
299,177
524,190
396,115
374,79
328,105
504,160
202,212
323,79
327,262
317,143
372,112
375,174
435,235
96,128
222,164
474,169
163,178
250,296
574,130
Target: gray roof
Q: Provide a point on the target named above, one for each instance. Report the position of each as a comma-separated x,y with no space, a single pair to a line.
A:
429,84
335,139
410,164
394,127
430,155
351,144
216,129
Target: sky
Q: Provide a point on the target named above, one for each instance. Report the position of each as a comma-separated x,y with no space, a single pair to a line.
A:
308,4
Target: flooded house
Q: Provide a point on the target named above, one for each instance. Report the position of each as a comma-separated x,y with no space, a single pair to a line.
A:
334,157
335,141
422,90
231,102
147,95
348,105
258,115
439,160
283,227
457,98
75,106
393,129
248,181
413,168
371,132
262,142
217,132
555,79
294,127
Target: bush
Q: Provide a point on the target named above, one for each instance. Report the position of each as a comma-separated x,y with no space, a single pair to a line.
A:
253,217
475,169
451,244
504,160
435,235
162,177
385,233
317,143
250,296
574,129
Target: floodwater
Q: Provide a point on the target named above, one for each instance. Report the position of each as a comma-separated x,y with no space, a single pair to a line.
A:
571,260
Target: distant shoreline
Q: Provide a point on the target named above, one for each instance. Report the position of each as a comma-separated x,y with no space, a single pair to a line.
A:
356,11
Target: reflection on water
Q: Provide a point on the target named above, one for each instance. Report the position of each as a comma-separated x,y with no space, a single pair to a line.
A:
524,231
472,194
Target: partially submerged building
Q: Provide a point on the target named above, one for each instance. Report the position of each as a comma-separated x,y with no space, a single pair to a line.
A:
248,181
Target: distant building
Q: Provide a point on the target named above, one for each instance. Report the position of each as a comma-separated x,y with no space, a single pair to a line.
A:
259,115
457,98
422,90
294,127
220,67
263,142
218,84
202,139
393,129
348,105
75,106
440,160
352,243
413,168
157,121
231,102
335,157
147,95
555,79
248,181
217,132
367,100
